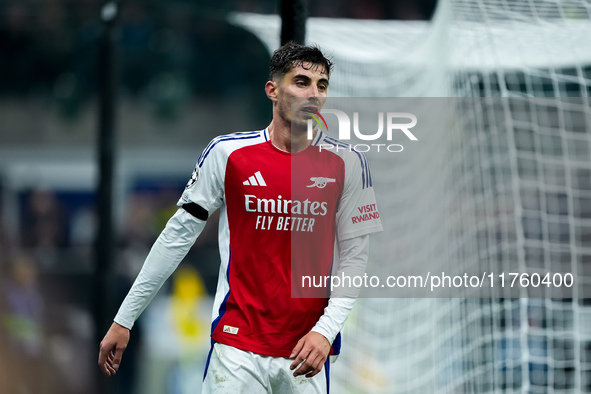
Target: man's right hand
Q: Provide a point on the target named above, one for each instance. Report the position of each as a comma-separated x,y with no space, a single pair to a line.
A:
111,349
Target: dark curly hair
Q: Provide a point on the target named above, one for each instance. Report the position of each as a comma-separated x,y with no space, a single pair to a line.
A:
292,55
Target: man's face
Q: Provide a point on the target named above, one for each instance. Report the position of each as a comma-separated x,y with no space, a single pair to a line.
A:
307,82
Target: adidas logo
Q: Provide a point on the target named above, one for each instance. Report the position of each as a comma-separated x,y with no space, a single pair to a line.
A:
255,180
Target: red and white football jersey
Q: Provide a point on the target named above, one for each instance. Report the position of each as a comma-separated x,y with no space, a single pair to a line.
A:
278,210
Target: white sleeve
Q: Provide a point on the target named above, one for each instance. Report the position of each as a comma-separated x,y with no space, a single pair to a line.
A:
358,211
354,253
206,186
170,248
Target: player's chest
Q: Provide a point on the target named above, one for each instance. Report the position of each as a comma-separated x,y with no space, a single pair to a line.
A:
279,176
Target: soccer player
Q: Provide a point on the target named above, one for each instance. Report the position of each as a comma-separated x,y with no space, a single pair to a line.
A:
286,203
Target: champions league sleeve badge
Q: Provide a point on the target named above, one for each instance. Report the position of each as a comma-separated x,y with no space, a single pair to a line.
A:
193,179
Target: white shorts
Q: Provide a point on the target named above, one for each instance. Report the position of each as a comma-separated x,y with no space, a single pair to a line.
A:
232,370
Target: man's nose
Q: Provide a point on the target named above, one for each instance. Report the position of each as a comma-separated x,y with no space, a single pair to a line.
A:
314,91
314,98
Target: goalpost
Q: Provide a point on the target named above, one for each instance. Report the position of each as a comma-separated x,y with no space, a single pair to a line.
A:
507,183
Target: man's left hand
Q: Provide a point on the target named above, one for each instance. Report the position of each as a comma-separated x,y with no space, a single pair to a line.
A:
311,352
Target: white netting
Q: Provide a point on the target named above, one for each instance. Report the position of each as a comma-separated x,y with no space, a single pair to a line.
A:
506,185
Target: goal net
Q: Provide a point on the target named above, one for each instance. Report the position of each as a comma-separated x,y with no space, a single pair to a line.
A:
504,186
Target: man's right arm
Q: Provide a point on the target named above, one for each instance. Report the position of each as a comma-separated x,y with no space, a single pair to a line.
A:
170,248
202,196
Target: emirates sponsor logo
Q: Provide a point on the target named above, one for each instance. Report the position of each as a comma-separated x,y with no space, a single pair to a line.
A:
279,205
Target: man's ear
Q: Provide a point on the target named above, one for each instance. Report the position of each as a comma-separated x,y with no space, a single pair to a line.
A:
271,90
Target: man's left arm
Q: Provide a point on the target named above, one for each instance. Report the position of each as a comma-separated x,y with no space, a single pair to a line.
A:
313,348
356,218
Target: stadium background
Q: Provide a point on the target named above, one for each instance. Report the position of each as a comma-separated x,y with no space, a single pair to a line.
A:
188,71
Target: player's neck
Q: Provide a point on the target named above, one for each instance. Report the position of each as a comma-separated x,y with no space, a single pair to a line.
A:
283,137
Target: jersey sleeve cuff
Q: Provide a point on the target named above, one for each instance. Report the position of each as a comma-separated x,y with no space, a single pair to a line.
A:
325,334
127,323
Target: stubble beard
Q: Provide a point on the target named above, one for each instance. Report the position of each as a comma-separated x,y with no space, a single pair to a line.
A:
297,123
